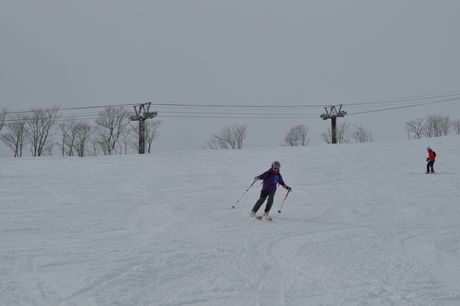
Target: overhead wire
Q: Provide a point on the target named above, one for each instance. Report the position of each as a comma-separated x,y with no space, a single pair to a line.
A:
404,106
217,111
407,99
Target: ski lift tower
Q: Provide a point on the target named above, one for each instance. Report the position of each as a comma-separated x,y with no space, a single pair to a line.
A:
332,113
141,115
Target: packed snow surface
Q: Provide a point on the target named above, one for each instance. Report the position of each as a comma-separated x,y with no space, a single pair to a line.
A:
363,225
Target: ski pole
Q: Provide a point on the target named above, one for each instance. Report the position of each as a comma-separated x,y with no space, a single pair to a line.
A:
233,206
285,197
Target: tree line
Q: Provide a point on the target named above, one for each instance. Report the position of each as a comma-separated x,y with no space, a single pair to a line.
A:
232,137
41,129
432,126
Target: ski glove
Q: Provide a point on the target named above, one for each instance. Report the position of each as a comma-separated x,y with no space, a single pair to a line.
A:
287,187
256,178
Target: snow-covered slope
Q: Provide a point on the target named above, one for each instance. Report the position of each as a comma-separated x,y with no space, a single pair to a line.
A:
363,226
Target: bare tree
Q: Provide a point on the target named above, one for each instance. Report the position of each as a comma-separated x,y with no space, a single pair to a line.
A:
95,143
415,128
39,124
124,141
326,136
361,134
297,136
436,126
15,137
68,131
446,125
83,131
229,138
151,133
3,114
110,125
456,126
431,126
342,133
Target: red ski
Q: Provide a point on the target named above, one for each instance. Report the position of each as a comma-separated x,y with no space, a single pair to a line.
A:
266,218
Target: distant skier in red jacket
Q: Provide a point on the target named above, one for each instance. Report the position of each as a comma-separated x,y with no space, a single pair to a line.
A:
430,159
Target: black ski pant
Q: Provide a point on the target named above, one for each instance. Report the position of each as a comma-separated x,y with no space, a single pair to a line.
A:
263,195
430,166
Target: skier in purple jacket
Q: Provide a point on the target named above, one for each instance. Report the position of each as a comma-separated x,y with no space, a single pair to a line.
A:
270,178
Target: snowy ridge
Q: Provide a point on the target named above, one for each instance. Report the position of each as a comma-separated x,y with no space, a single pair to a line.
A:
363,225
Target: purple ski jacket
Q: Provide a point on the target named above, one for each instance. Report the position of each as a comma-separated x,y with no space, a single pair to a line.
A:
270,179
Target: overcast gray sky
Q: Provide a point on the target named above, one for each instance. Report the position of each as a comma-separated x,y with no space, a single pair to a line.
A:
236,53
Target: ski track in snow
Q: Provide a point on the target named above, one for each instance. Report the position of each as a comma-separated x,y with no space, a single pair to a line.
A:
358,229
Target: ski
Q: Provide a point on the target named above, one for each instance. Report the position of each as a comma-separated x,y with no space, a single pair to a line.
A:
261,218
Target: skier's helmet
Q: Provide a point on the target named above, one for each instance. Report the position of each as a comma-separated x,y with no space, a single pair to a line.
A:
276,164
428,149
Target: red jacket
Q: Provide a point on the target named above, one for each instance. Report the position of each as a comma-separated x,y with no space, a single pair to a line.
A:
431,155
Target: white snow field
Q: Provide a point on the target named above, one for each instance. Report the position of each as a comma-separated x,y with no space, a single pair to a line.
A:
364,225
